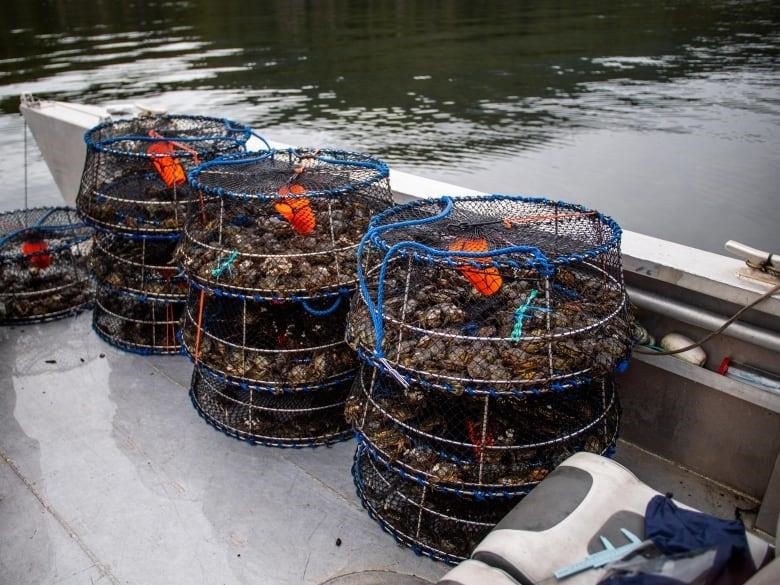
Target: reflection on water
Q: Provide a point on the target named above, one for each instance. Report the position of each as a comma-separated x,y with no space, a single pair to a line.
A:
644,109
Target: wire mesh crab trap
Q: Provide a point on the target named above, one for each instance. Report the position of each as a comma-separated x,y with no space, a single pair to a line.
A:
485,447
277,346
43,265
439,525
141,265
492,295
135,175
285,225
288,419
137,323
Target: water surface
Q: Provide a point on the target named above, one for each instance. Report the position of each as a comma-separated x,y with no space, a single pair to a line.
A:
664,114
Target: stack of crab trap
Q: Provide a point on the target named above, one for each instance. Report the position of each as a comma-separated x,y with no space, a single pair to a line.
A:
134,191
489,329
269,254
43,265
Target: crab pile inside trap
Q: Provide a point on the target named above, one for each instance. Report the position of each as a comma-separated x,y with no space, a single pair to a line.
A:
269,253
43,265
134,191
489,329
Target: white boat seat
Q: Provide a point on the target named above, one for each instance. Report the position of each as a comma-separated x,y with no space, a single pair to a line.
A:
559,523
471,572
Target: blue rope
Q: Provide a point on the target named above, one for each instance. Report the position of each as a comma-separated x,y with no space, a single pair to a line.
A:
322,312
39,227
520,314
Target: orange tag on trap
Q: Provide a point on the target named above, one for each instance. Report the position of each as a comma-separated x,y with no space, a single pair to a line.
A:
37,252
296,209
166,165
486,280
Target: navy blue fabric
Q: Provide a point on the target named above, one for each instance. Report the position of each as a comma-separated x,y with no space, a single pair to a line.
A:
679,533
674,530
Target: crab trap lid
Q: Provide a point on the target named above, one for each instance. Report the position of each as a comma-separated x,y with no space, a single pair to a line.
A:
135,175
492,294
285,225
43,271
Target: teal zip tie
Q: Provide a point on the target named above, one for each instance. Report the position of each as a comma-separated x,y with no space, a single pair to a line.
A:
520,314
227,264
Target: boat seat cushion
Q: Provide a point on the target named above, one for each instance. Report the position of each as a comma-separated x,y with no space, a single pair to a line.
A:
560,521
471,572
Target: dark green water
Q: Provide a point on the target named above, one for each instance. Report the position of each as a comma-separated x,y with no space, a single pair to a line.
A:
664,114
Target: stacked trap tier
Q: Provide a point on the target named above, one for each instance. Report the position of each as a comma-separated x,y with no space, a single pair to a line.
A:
487,447
437,524
489,328
141,292
275,346
137,323
43,265
492,295
302,418
135,175
283,226
270,256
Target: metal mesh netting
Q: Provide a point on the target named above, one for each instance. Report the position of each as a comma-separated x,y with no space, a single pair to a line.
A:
487,446
453,295
276,345
43,265
301,419
137,323
145,266
439,525
287,225
135,175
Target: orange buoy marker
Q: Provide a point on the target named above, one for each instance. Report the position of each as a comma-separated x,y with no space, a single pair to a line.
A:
486,280
296,209
166,165
37,252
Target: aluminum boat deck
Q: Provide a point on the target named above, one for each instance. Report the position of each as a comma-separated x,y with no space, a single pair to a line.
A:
108,475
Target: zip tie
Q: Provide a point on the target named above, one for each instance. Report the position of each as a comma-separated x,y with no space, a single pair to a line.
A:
226,264
394,373
520,314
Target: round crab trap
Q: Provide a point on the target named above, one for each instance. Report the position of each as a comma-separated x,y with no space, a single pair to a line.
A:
135,175
492,295
301,419
483,447
145,266
137,323
439,525
278,346
43,265
285,225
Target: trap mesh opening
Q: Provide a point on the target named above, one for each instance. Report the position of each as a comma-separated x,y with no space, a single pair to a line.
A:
145,266
135,174
43,265
284,226
306,419
442,526
500,294
277,345
138,324
491,446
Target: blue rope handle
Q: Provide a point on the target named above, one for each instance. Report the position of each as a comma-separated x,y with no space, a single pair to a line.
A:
324,312
375,308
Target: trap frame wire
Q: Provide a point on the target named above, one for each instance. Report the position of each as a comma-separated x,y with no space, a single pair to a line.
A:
452,295
43,265
480,447
135,174
283,226
301,419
